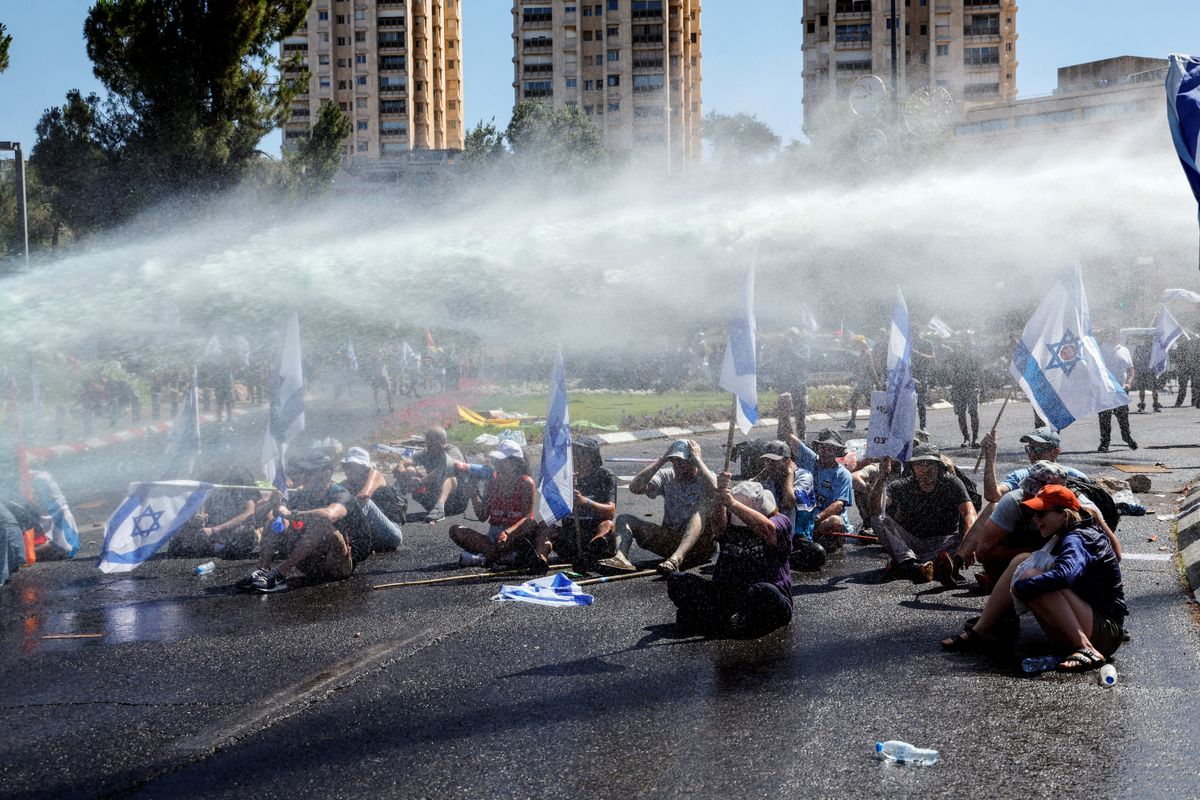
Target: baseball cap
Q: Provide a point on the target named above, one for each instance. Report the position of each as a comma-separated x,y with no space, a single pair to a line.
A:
925,452
1044,435
776,451
311,462
681,449
753,494
1051,497
357,455
507,449
829,436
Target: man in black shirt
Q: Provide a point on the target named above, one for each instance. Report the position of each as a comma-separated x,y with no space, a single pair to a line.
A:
595,507
927,514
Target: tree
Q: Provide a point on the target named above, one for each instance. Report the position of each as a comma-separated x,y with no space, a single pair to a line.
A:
318,159
5,41
483,146
561,139
73,160
739,137
193,76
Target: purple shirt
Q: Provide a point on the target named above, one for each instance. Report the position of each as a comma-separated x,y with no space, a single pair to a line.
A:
746,559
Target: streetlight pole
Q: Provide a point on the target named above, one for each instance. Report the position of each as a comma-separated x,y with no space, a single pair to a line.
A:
895,67
22,209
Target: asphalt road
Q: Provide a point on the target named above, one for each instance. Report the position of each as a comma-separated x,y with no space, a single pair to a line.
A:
341,691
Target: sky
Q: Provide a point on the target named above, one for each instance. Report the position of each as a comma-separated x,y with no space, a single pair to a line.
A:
749,66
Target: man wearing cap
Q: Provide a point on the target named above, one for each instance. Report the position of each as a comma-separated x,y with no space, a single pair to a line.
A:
1120,364
366,484
750,593
832,485
687,487
927,513
434,482
324,532
1041,444
595,509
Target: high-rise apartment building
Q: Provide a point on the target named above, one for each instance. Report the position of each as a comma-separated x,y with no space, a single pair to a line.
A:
968,47
393,66
633,66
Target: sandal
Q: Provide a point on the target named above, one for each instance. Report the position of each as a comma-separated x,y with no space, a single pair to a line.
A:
969,641
1085,660
667,567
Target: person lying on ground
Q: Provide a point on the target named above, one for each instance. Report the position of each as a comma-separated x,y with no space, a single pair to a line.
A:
1073,586
507,505
369,488
595,508
927,513
687,487
324,534
1042,444
832,484
750,593
230,524
432,478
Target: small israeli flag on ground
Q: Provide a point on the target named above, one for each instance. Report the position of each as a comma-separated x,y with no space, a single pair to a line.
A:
150,515
1166,332
1058,362
551,590
739,372
556,483
1183,114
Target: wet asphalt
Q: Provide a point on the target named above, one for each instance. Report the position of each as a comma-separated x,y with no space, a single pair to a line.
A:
342,691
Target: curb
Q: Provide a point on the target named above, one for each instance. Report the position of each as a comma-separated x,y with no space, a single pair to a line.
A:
1187,539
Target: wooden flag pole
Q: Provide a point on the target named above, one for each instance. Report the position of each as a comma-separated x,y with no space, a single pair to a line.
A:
644,573
995,424
729,440
474,576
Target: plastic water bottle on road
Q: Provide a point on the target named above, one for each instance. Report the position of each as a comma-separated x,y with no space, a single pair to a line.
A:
1040,663
905,753
206,568
1108,675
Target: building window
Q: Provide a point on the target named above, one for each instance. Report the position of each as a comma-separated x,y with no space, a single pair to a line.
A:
860,65
924,57
361,58
846,34
360,13
360,36
391,62
587,36
362,124
361,80
324,37
363,147
982,25
343,85
981,90
537,14
323,16
614,80
599,10
324,83
323,59
614,107
393,106
643,112
646,8
569,10
924,29
341,63
599,60
1008,46
613,32
587,11
647,83
614,55
981,56
539,89
824,20
341,19
853,6
614,5
572,83
811,26
943,49
393,128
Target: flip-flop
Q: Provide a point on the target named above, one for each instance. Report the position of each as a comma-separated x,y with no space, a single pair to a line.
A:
667,567
1085,661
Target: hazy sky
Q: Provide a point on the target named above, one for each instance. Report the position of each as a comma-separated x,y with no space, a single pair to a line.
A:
752,61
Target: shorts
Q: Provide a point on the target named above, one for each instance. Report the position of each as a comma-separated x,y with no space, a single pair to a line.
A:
1107,634
563,538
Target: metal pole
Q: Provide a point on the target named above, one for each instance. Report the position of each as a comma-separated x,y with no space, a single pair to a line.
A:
895,68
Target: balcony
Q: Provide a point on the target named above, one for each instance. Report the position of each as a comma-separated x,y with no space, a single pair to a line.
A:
853,44
941,33
539,69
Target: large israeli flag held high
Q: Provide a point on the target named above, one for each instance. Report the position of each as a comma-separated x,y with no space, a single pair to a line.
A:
894,410
1183,114
1166,332
1058,361
556,484
739,372
150,515
286,419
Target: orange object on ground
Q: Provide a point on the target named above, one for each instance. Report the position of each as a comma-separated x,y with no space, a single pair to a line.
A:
30,553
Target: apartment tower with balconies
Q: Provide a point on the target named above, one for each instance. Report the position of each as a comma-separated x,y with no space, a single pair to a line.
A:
968,47
393,66
633,66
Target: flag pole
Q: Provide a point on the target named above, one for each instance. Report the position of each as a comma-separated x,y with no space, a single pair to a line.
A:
729,440
995,425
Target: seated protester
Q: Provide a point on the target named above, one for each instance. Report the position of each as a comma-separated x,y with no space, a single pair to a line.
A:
595,508
687,487
864,477
432,478
1075,592
229,524
750,593
1010,530
366,483
507,505
927,513
831,483
325,532
12,544
777,474
1043,444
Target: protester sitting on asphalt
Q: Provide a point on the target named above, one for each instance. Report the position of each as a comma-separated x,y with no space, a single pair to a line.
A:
1042,444
595,509
832,484
750,592
325,533
1073,586
1008,532
927,513
863,478
432,478
507,505
365,483
687,487
792,488
12,544
231,522
777,474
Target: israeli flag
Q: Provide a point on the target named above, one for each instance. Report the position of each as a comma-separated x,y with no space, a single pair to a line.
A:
1183,114
183,443
149,517
894,410
351,357
551,590
1166,332
936,325
49,498
808,322
1058,362
408,356
739,373
556,484
286,418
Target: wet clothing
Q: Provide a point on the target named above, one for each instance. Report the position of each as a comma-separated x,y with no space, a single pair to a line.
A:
437,469
599,486
681,499
830,484
1085,563
1013,479
746,559
507,507
927,515
353,526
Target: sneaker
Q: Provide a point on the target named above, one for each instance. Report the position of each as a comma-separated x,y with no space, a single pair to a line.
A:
435,514
920,573
1141,408
965,445
1102,448
737,625
1157,408
271,582
974,444
1132,444
466,559
247,583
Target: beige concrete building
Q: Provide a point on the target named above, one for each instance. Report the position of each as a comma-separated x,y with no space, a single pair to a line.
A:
968,47
633,66
393,66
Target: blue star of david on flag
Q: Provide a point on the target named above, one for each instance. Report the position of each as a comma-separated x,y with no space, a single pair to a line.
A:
146,522
1064,354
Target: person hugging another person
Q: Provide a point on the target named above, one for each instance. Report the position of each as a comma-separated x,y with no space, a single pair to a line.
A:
1073,586
507,505
750,593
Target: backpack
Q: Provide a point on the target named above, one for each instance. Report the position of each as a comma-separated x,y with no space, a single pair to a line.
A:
747,454
971,487
1099,496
